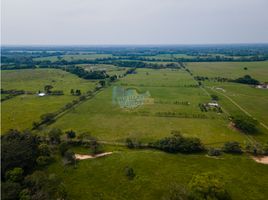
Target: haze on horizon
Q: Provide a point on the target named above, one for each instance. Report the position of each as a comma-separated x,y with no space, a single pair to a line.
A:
94,22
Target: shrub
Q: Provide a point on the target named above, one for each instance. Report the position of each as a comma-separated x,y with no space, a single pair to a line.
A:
43,160
232,147
214,152
130,173
44,150
70,134
63,147
14,175
207,186
10,190
54,135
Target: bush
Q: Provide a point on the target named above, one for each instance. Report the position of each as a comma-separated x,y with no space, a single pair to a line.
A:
10,190
245,123
70,134
44,150
214,97
14,175
232,147
43,160
63,147
214,152
130,173
54,135
207,186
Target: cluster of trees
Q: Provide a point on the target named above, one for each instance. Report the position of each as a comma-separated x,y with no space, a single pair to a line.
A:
177,143
75,92
245,123
10,94
216,79
181,115
82,73
247,79
22,155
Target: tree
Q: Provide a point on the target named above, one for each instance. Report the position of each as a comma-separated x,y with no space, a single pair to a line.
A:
14,175
10,190
43,160
214,97
48,88
95,146
232,147
42,186
129,143
78,92
63,147
130,173
18,150
48,118
245,123
177,143
102,83
69,157
70,134
214,152
54,135
44,150
207,186
72,91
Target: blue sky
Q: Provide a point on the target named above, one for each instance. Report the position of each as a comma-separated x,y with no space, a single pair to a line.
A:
88,22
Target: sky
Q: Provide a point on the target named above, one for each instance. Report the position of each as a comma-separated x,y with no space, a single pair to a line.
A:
93,22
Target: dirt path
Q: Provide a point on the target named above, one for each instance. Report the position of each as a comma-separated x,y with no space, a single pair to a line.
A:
262,160
85,156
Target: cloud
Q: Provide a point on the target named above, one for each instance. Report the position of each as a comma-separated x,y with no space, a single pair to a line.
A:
134,21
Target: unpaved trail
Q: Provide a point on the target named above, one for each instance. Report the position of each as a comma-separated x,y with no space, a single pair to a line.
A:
262,160
85,156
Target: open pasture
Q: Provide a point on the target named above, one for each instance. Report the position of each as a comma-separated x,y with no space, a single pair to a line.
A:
95,178
21,111
35,79
110,69
258,70
149,122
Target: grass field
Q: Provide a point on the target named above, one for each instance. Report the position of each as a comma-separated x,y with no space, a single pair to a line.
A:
258,70
109,122
110,69
104,178
35,80
21,111
155,171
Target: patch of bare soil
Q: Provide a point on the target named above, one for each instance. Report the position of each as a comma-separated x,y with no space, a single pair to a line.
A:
263,160
83,157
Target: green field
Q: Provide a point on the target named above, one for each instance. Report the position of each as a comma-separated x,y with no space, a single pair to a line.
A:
21,111
176,102
109,122
257,70
155,171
